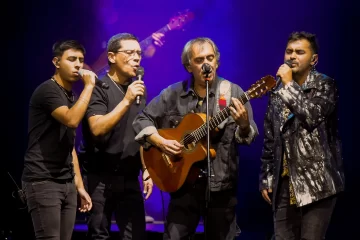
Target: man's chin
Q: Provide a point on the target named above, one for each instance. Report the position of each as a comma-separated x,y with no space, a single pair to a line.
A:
132,75
208,78
73,79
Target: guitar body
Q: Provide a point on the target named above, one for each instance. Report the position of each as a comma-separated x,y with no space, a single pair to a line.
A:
168,172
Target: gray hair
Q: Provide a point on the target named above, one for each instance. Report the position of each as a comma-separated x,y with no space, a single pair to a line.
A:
186,53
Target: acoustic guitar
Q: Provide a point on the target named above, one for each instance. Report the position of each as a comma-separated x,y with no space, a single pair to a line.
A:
170,172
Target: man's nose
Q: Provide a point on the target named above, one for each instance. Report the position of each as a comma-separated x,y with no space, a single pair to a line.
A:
293,55
78,63
207,61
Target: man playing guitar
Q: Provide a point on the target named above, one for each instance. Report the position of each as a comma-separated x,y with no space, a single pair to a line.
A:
187,204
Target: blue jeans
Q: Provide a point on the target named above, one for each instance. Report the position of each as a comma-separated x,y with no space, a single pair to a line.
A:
52,206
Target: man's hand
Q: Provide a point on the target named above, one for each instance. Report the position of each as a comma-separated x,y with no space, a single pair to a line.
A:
158,39
239,114
285,73
136,88
85,200
147,184
88,77
170,147
265,195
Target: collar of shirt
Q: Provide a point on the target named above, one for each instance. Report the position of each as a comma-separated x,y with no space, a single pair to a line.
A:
189,88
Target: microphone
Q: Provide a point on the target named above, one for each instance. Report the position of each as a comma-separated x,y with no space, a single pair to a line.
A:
278,78
206,69
98,82
139,75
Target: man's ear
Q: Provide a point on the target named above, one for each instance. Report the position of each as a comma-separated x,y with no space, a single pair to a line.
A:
56,62
314,59
188,68
111,57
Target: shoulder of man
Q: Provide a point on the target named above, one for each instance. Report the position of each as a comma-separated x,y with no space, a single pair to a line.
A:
236,90
45,87
320,79
174,88
323,77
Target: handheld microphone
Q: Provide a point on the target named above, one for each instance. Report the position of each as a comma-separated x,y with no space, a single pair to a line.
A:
139,75
98,82
278,78
206,69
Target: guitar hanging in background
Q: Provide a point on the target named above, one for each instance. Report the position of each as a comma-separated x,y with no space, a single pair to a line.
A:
100,67
169,173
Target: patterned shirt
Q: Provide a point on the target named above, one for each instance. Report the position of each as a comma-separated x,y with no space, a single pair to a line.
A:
287,114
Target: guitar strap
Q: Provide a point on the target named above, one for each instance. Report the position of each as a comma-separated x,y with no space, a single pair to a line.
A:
223,99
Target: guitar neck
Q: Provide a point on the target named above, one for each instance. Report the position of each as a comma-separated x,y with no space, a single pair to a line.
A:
102,70
215,121
149,40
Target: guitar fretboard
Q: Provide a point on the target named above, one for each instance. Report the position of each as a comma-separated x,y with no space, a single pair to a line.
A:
215,121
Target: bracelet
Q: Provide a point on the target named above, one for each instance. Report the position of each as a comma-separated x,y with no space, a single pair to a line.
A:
148,177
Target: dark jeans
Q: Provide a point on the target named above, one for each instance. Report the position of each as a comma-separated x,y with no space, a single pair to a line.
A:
123,197
188,204
52,206
309,222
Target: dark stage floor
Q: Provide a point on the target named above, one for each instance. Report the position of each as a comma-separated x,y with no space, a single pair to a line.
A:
155,232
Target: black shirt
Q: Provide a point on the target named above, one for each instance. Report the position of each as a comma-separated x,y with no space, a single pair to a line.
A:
50,143
115,153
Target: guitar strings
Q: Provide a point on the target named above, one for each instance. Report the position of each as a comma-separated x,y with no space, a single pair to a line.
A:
201,130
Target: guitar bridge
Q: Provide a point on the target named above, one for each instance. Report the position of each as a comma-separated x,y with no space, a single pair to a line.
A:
168,162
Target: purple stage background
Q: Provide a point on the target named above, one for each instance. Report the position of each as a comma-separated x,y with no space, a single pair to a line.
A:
251,36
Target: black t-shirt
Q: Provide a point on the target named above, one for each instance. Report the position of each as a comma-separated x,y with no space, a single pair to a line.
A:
117,152
50,143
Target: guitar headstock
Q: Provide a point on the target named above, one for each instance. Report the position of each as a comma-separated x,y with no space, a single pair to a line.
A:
261,86
178,22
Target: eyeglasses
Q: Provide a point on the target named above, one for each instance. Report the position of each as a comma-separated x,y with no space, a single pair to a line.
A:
132,52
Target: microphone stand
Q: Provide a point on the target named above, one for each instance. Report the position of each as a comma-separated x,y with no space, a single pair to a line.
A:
207,197
206,69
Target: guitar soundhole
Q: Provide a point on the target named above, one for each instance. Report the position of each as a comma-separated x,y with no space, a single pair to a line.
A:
190,146
189,142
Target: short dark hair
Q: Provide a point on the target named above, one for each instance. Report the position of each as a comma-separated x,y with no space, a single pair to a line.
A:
60,47
114,43
294,36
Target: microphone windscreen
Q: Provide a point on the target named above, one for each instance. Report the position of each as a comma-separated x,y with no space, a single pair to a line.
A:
140,71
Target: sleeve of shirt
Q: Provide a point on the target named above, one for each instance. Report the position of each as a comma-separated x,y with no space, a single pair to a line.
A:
311,111
253,127
266,176
98,103
245,140
146,122
49,97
